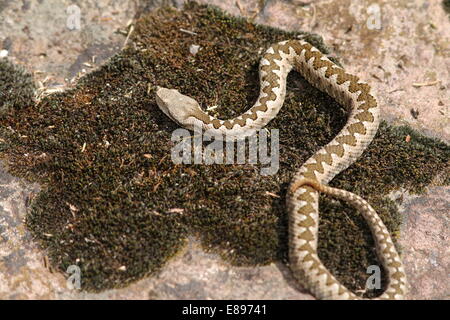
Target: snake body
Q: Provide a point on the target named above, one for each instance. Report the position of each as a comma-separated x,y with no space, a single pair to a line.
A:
317,171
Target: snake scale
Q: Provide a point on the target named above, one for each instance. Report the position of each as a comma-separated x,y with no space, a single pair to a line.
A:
317,171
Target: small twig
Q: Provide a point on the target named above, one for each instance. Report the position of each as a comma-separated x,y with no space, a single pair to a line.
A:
128,35
395,90
271,194
241,9
211,108
425,84
350,220
188,32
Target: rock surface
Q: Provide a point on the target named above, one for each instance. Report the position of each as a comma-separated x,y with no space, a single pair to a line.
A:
403,55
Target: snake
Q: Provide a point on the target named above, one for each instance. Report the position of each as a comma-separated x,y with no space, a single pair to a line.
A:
314,175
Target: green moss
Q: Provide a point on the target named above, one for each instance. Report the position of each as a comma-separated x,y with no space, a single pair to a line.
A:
16,87
109,204
446,4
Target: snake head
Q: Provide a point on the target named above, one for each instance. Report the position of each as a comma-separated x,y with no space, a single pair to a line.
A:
177,106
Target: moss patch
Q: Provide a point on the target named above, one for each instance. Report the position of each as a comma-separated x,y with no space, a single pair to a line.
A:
446,5
16,87
101,151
